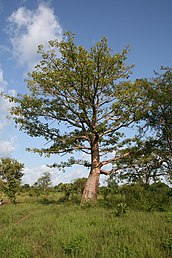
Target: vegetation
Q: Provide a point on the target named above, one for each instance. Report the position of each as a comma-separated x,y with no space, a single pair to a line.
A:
82,101
127,221
43,184
159,116
39,227
159,119
150,158
10,177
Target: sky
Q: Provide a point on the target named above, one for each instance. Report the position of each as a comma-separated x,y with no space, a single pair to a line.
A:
143,25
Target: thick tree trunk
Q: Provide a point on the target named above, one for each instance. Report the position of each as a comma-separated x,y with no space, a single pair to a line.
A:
91,187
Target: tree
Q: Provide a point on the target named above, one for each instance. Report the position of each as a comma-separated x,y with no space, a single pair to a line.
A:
26,187
79,184
158,91
10,174
44,182
151,157
144,166
79,100
73,190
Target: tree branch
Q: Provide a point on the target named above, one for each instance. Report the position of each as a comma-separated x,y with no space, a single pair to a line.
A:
104,172
103,163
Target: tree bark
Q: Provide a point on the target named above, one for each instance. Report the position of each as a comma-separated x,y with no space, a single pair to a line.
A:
91,187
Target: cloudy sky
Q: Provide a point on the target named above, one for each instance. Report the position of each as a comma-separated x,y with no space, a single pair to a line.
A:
24,24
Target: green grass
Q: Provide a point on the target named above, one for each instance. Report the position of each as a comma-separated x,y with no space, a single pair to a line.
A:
48,229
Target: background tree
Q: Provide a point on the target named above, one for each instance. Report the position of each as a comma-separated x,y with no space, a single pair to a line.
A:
25,187
143,168
159,116
79,101
10,174
73,190
79,184
43,183
151,157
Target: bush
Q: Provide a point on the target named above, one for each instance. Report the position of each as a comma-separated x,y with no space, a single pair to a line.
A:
155,197
134,196
158,196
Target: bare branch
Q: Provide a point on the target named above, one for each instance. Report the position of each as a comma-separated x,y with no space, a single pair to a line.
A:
116,128
114,159
104,172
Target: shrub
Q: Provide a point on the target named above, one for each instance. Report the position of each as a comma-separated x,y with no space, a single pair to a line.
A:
155,197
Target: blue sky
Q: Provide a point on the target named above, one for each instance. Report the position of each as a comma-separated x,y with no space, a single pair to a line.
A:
144,25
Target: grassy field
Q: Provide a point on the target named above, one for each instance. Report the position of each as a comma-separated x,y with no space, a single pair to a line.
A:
45,228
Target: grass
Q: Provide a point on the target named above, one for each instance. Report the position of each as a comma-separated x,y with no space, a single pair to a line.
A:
44,228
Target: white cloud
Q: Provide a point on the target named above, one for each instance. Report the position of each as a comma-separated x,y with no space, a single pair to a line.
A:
31,175
3,83
30,28
5,104
7,147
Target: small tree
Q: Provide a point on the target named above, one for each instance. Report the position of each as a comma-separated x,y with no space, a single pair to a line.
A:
73,190
44,182
79,184
79,100
10,174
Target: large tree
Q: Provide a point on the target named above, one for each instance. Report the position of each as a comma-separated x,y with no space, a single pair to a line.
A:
80,100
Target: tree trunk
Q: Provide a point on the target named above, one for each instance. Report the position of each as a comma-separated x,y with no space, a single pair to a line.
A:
91,187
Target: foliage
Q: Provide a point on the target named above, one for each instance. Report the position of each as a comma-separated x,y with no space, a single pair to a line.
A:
136,196
72,191
144,166
43,184
158,121
79,184
159,115
150,157
10,175
120,210
108,192
69,191
25,187
104,191
154,197
159,197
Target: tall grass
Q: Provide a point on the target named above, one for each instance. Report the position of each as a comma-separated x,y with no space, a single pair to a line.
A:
47,229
